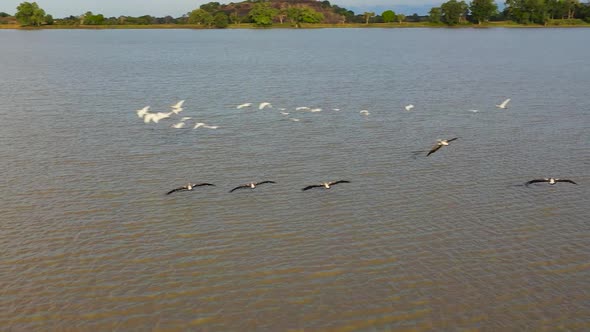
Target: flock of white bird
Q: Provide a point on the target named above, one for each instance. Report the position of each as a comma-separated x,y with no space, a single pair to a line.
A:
175,110
148,117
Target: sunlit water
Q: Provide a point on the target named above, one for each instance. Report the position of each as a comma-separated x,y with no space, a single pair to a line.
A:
90,241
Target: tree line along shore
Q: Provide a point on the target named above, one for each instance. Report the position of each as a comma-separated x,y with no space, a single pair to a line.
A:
318,14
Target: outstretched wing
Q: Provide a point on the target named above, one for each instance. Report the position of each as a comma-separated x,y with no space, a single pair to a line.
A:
434,149
505,102
337,182
312,186
240,187
565,180
535,181
452,139
175,190
203,184
263,182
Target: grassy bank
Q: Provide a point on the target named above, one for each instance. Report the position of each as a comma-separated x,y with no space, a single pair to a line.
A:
503,24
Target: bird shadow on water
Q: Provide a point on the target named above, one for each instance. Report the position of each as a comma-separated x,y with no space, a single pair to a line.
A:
416,154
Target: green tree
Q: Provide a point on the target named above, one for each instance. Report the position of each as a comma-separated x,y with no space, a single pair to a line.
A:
49,19
235,18
435,15
211,7
220,20
388,16
29,14
453,11
400,18
571,5
262,14
528,11
90,19
3,14
200,16
281,15
298,15
482,10
367,16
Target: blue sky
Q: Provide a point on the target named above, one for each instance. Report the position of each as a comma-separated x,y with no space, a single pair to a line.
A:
62,8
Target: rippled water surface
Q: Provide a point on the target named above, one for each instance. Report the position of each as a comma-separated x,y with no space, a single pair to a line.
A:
453,241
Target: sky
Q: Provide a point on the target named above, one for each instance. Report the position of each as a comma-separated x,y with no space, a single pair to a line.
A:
176,8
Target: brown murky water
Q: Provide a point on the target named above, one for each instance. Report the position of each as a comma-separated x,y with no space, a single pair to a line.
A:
89,241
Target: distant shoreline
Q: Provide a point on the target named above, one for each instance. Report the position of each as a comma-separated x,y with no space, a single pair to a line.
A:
289,26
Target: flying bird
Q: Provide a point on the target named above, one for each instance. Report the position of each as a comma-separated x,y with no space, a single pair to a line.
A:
148,117
364,112
185,118
315,110
160,115
294,119
409,107
177,110
178,105
263,105
326,185
244,105
178,125
142,112
250,185
551,181
504,104
336,109
201,124
285,113
189,187
301,108
439,144
156,117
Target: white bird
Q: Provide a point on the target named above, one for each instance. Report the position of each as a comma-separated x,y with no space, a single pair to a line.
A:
178,105
244,105
185,118
473,111
177,110
201,124
282,109
302,108
336,109
263,105
504,104
160,115
142,112
285,113
294,119
365,112
409,107
178,125
148,117
315,110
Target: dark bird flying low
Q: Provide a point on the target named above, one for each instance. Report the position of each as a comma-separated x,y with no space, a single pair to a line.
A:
250,185
189,187
326,185
439,144
551,181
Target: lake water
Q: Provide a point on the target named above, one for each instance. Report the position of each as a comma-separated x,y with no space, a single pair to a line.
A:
453,241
